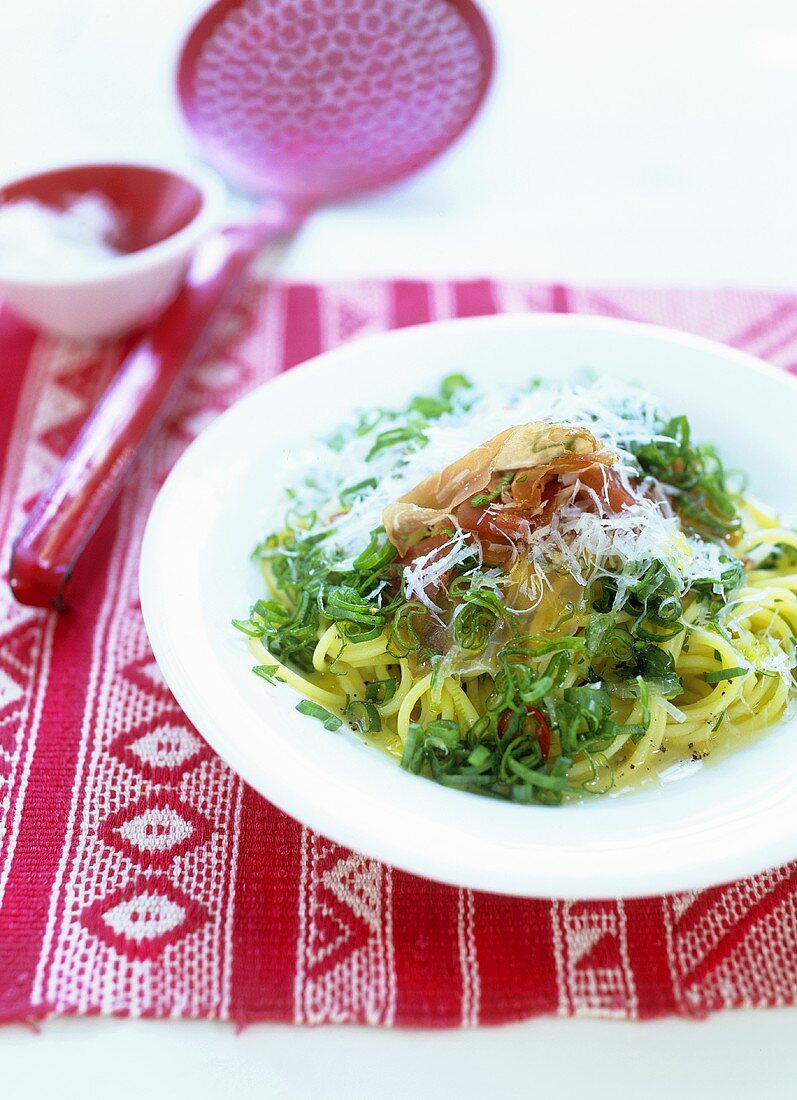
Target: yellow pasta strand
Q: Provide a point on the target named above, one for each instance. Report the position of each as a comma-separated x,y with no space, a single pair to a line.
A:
756,639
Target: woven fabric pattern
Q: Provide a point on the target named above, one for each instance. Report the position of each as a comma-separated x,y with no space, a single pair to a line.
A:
140,876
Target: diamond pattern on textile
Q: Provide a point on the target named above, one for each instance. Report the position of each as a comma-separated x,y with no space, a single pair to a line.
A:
139,876
142,919
161,749
156,829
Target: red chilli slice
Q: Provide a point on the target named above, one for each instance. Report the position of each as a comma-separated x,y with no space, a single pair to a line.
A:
543,729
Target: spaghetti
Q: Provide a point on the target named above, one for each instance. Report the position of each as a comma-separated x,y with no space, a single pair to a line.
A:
529,595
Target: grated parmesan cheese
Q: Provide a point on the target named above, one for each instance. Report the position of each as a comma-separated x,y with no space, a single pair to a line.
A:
426,572
585,544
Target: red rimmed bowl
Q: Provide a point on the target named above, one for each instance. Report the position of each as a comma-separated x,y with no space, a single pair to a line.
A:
163,214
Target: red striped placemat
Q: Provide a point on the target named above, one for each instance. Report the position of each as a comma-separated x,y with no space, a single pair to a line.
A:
140,876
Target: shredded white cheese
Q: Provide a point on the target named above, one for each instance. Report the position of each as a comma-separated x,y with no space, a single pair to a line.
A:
586,544
424,575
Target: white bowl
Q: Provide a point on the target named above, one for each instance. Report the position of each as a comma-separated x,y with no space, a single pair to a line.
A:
112,296
733,817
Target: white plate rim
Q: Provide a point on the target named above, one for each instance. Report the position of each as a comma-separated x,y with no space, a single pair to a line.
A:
341,825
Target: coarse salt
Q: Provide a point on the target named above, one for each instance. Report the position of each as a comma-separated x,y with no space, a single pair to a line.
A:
36,239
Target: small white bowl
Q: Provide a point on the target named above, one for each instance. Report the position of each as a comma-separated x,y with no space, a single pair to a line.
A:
165,213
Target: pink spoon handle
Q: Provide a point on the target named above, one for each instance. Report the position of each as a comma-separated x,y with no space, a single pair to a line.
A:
131,410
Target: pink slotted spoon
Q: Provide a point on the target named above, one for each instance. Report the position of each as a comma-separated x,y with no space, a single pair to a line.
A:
301,102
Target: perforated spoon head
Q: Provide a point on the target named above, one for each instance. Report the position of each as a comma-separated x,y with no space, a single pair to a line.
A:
319,99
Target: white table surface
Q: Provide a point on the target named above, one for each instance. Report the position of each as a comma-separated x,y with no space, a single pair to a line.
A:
625,141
